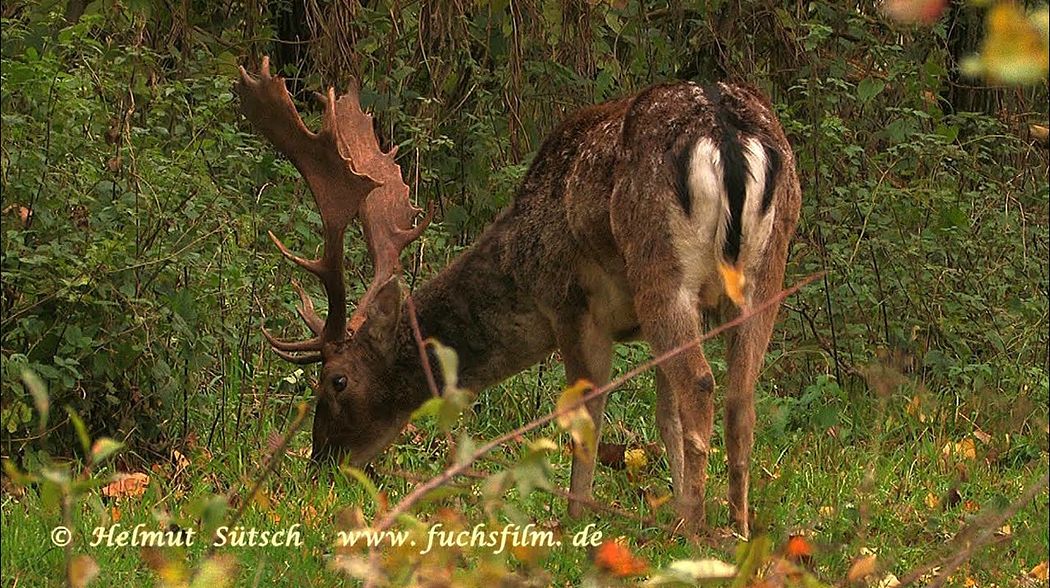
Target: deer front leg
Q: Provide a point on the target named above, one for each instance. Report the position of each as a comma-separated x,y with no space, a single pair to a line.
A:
587,352
685,390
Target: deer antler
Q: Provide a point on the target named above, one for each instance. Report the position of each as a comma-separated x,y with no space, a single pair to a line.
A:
345,170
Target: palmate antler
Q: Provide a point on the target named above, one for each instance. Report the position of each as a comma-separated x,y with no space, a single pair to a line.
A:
347,174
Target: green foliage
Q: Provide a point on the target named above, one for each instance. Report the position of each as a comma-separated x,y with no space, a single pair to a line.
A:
136,271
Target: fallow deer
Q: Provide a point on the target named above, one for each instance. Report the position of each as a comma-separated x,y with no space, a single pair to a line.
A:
635,217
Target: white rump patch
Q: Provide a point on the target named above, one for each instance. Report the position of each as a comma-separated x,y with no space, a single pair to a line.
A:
699,237
756,226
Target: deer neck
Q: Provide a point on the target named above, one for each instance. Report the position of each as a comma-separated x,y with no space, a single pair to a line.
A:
476,308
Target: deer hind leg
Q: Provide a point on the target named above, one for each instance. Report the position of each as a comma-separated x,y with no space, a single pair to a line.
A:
669,423
745,351
685,389
587,353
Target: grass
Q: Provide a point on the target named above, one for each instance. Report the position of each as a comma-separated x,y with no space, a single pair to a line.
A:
851,470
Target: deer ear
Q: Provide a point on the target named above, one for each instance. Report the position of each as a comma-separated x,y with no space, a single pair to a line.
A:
383,315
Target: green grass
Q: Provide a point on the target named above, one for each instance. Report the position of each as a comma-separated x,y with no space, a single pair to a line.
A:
850,470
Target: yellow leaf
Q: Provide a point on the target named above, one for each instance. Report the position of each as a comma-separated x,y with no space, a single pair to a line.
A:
574,418
965,449
862,567
1014,49
82,570
733,280
635,459
932,502
1041,572
889,581
216,572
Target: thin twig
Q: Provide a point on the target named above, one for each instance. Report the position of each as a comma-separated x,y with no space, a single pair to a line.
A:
413,319
589,502
464,464
973,538
271,465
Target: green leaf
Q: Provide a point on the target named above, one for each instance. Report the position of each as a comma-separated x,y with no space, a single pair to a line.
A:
213,511
38,390
869,88
82,433
456,401
103,448
430,408
363,479
465,447
448,362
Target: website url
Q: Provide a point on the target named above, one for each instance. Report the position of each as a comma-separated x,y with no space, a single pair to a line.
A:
479,536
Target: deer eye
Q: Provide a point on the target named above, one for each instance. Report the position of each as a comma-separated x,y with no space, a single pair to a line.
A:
339,383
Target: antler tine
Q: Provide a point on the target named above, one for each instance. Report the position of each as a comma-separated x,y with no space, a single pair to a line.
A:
311,344
305,359
306,309
387,220
338,188
387,215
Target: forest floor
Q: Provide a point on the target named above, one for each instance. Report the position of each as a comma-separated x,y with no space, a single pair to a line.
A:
896,476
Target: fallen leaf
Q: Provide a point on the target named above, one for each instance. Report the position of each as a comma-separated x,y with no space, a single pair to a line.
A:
635,459
181,462
932,502
612,455
1040,133
656,502
862,567
1041,572
798,548
82,570
965,449
692,571
616,559
888,581
982,436
127,486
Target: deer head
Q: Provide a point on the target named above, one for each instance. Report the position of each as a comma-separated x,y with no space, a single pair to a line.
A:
350,177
